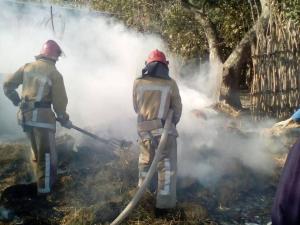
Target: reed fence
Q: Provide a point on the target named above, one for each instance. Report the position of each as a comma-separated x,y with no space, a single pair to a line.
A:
275,88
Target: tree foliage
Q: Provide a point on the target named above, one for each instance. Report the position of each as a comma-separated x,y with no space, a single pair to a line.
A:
165,18
178,26
233,20
291,8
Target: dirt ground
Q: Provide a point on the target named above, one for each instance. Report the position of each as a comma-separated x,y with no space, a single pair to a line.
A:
95,184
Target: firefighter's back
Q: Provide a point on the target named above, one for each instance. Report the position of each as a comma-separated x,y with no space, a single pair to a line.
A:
37,80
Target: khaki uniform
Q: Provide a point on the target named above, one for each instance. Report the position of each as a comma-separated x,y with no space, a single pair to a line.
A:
42,89
152,98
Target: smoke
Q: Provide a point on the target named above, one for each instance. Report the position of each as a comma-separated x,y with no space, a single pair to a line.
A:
102,60
212,145
8,126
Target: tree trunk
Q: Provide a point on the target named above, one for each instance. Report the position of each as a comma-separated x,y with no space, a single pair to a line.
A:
209,30
211,36
233,65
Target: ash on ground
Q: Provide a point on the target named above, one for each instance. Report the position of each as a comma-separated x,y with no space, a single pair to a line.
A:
95,184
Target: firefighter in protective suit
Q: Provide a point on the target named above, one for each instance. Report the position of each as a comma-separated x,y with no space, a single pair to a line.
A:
154,93
42,90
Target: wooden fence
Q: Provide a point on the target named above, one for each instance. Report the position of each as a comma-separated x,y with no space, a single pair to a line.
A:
275,88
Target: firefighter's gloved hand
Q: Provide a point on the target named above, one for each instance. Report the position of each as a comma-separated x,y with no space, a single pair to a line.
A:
67,124
64,121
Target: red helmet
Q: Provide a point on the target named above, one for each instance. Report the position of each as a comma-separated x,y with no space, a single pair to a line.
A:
157,56
51,50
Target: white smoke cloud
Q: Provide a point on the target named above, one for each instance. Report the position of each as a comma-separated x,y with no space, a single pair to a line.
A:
102,60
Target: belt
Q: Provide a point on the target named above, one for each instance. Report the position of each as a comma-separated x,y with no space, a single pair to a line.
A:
42,105
149,125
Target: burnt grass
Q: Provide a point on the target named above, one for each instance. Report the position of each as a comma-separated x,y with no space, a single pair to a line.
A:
95,184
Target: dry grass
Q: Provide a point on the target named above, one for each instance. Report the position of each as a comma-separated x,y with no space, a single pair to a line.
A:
98,185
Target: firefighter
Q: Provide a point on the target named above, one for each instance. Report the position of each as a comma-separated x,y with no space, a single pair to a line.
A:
42,90
154,93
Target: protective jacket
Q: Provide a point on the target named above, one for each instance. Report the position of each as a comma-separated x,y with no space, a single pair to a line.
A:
153,96
43,87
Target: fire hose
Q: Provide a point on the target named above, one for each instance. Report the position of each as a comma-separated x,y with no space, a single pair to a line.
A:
162,144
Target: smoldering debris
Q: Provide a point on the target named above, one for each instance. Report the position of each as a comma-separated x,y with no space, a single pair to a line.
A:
96,185
90,181
15,164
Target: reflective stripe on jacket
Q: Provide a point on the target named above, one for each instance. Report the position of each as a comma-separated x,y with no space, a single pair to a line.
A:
152,98
42,83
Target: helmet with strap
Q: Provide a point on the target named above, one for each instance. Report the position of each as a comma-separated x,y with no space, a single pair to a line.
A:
51,50
157,56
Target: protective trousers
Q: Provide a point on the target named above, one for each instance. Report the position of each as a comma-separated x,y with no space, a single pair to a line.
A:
43,146
167,169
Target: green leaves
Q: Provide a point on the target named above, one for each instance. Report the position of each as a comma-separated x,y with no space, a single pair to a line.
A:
177,24
291,9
